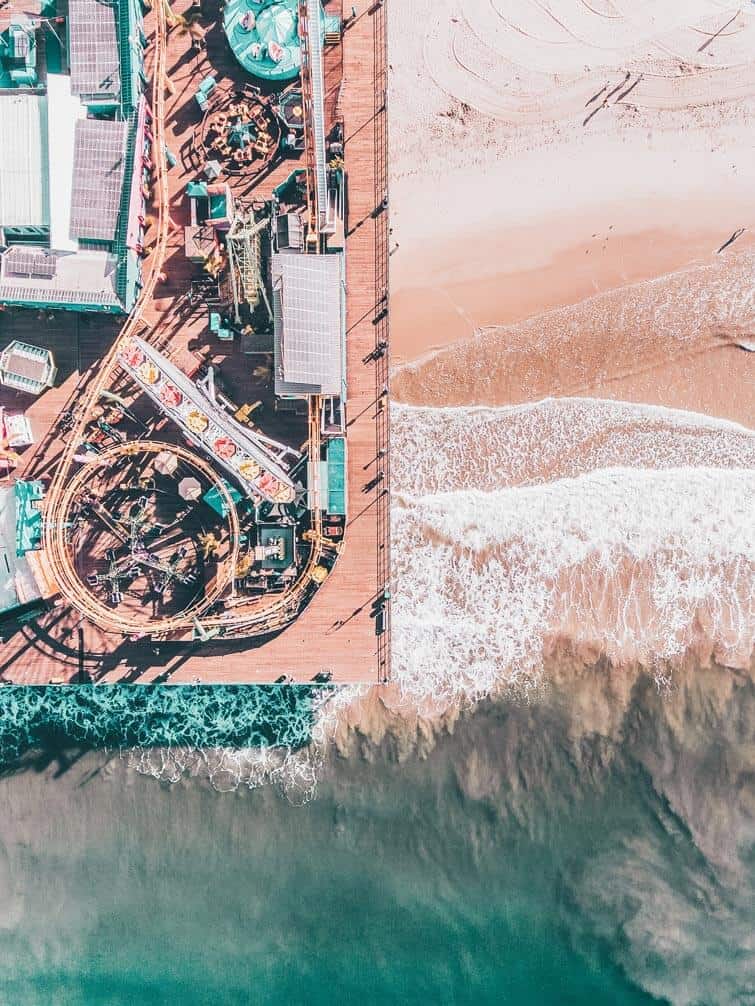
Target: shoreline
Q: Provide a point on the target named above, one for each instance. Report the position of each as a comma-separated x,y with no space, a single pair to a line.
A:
669,341
435,310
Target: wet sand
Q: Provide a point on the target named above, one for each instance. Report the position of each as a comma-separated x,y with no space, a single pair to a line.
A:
441,308
447,303
671,341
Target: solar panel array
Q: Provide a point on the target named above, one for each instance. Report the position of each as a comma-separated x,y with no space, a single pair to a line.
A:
93,42
309,298
99,163
30,262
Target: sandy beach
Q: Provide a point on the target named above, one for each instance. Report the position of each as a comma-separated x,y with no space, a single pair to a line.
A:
522,185
572,264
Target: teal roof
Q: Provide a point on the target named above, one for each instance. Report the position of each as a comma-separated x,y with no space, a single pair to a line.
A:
17,584
215,500
18,55
28,516
336,458
276,22
273,534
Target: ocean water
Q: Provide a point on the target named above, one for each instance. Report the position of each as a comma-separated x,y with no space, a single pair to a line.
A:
572,820
621,530
543,850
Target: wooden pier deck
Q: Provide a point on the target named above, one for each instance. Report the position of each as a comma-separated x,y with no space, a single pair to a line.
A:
336,632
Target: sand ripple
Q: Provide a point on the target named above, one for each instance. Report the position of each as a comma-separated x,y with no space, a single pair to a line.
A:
526,61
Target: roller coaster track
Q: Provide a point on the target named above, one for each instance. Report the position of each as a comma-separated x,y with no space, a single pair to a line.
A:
278,610
266,615
109,618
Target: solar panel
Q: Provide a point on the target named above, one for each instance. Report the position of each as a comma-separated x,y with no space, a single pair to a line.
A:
56,295
99,163
30,262
95,66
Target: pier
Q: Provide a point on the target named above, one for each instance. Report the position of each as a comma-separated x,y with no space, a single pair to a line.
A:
342,633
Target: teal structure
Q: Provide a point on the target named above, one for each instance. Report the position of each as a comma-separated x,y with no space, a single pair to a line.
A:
20,532
251,27
18,56
336,463
213,498
28,516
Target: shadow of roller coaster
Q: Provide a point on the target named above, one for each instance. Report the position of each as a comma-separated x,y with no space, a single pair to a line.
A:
270,614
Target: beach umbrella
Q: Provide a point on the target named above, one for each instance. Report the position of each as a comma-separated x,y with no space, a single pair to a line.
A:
166,463
189,489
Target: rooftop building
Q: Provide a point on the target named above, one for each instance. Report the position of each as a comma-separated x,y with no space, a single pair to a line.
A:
73,143
27,368
310,337
20,523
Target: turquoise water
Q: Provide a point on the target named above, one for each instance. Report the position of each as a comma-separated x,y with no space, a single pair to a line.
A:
150,715
514,862
183,895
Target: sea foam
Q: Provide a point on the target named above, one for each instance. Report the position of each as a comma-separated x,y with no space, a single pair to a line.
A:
636,565
441,449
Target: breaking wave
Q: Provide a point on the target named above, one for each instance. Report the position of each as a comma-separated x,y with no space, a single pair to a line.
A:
637,565
437,450
609,529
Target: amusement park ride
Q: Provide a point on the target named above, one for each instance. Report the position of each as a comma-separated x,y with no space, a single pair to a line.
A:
244,553
137,534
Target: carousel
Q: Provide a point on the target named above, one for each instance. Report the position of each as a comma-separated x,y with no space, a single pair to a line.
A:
289,107
242,134
264,37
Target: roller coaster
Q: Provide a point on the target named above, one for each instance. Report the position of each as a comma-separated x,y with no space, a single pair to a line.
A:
261,616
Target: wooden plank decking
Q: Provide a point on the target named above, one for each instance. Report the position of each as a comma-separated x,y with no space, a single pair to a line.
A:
336,632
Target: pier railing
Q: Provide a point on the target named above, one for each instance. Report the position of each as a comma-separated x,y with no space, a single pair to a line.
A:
381,322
